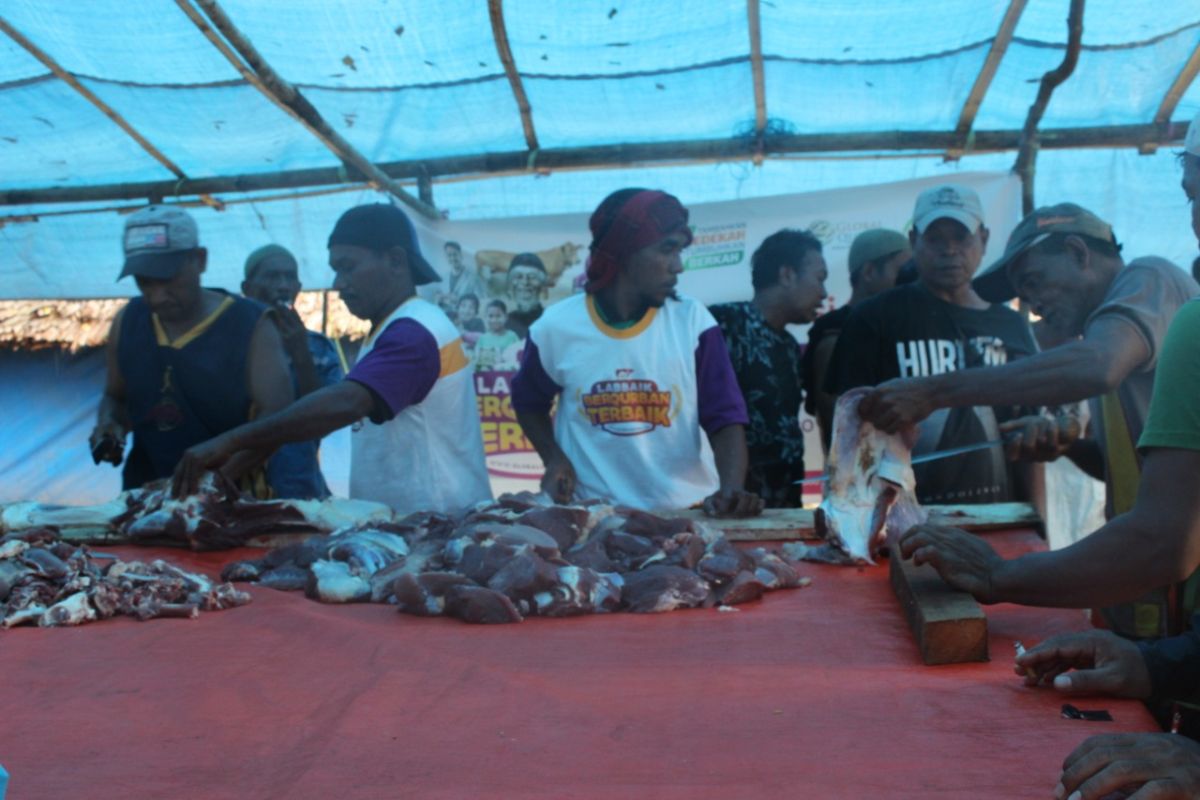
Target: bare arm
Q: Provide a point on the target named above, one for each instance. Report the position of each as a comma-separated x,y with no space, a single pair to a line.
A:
1087,456
267,373
112,418
311,417
729,452
1154,545
559,479
295,343
1088,368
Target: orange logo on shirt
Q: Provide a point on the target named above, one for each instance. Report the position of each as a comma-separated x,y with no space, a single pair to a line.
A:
626,406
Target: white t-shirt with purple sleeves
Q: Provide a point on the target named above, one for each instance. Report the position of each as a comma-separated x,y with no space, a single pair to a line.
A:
634,404
422,448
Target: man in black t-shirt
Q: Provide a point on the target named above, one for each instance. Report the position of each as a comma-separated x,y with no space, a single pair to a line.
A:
934,326
875,258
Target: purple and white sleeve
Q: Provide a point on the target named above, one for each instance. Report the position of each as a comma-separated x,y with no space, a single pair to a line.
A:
720,398
400,369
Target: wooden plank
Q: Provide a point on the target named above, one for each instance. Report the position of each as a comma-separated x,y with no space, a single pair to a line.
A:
797,523
948,625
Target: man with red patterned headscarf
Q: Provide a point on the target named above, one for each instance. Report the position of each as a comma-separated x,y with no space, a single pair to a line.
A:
649,411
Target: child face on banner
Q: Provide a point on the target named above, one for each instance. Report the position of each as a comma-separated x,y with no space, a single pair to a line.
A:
496,319
468,309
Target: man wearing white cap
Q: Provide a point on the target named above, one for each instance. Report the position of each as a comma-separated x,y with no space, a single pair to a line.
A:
935,326
1065,263
185,363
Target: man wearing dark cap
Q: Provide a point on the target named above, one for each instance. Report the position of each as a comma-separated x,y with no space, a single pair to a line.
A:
1066,264
935,326
416,441
185,363
875,258
788,273
641,374
272,278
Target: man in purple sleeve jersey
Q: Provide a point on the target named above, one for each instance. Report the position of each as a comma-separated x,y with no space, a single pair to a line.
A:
649,410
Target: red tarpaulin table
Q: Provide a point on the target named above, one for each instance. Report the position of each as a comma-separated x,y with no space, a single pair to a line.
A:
817,693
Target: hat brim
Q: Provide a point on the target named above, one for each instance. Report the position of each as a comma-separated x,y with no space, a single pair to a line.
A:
156,266
969,221
422,273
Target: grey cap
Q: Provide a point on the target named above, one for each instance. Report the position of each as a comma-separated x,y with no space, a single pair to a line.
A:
993,284
158,241
873,244
948,201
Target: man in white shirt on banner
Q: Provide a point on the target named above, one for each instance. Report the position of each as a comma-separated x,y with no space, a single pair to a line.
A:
649,411
416,442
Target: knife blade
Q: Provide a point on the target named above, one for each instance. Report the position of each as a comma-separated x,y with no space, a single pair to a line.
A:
925,457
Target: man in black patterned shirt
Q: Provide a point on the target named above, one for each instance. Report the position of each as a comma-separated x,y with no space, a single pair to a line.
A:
788,272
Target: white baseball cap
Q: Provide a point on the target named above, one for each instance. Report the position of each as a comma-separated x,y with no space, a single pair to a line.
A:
948,201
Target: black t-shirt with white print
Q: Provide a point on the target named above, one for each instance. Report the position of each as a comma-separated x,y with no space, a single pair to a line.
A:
908,332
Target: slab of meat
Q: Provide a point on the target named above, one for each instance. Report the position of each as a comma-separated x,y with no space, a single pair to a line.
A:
869,493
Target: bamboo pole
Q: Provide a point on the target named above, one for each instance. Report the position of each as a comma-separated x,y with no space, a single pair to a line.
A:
754,16
254,68
1185,78
484,165
500,36
966,119
1027,153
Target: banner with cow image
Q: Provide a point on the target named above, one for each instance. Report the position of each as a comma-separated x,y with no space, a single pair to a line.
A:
498,276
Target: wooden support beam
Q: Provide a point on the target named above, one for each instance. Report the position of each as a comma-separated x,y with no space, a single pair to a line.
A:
1170,101
756,67
948,625
90,96
500,35
259,74
484,165
1027,153
966,119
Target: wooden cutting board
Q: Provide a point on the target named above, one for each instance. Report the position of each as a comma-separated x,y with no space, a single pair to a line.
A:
797,523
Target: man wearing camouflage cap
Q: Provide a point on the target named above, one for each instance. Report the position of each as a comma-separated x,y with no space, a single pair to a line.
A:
1066,264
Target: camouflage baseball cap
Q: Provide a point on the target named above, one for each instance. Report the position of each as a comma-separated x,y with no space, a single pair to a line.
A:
993,284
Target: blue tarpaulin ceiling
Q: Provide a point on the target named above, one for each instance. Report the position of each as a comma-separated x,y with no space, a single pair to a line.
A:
406,83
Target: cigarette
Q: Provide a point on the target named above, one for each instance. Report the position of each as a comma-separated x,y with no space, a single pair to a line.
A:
1020,648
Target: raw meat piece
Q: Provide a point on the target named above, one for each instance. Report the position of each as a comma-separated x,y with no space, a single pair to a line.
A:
333,582
424,594
869,492
480,605
656,589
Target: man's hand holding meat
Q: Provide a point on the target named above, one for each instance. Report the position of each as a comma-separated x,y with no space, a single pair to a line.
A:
898,403
198,459
964,560
559,480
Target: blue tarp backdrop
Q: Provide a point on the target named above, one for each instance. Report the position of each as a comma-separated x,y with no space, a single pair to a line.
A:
413,80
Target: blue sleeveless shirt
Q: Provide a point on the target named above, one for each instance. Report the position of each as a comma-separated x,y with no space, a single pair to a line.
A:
186,392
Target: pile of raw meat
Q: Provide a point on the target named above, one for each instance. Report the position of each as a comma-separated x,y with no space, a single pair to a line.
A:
521,557
49,582
217,517
869,493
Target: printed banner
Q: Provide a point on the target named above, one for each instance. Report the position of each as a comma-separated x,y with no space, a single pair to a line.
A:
500,274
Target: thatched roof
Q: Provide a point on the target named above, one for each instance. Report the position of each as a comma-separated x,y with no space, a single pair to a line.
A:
74,325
